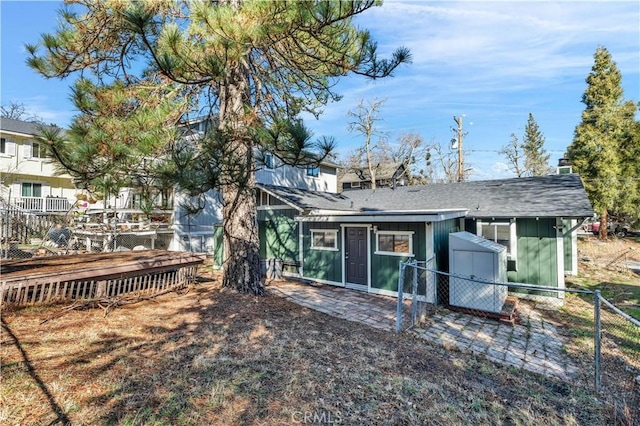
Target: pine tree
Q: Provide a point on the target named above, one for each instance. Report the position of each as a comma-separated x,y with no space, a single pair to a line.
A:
536,160
254,64
596,149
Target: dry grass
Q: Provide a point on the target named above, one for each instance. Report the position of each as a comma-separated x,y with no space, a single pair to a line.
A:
215,357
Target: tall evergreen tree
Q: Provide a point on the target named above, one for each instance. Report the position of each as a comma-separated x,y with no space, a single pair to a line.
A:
599,139
536,160
254,64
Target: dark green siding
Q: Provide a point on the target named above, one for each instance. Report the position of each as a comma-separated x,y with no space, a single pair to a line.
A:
384,268
537,252
278,233
441,231
322,264
218,245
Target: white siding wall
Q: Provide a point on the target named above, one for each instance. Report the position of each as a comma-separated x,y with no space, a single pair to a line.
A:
297,177
195,232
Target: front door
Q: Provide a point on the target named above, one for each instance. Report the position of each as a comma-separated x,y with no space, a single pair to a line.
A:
356,255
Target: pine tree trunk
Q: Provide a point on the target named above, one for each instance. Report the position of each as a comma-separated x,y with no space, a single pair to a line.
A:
241,266
604,225
241,241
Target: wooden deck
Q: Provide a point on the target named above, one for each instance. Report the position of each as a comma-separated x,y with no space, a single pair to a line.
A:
58,279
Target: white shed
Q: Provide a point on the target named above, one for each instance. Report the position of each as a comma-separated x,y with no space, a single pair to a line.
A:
476,258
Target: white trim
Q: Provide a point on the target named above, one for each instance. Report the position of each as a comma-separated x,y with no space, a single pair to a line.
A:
430,249
383,292
344,264
277,207
512,254
301,249
383,216
560,255
321,281
395,253
357,287
574,246
335,239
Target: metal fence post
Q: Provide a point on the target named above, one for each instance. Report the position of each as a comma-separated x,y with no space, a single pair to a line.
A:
597,340
401,267
414,294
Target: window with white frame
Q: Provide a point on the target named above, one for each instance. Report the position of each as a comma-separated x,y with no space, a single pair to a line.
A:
324,239
502,233
394,243
3,146
36,150
30,189
313,171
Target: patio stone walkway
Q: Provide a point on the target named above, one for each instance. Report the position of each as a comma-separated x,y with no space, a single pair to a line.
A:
533,345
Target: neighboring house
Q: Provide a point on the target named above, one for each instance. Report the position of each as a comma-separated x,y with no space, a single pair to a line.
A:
357,239
203,231
387,175
28,178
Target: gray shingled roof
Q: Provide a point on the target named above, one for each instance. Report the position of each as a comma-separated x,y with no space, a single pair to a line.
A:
19,126
309,200
544,196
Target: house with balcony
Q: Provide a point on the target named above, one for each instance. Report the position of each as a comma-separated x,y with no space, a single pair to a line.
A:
28,178
386,175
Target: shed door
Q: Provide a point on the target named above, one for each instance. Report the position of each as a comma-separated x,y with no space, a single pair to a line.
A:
474,263
356,255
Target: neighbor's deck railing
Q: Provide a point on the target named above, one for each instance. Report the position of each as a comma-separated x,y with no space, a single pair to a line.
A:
42,204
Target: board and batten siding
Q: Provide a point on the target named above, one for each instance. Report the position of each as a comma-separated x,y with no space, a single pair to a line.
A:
384,267
322,265
537,261
278,232
441,231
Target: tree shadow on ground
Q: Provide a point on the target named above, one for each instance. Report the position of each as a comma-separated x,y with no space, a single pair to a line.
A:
213,356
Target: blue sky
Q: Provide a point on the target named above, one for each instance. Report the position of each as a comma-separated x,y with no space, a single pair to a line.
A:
493,62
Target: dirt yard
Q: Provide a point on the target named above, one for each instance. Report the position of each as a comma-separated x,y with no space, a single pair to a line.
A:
211,356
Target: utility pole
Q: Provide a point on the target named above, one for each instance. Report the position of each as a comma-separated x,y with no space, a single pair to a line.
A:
457,142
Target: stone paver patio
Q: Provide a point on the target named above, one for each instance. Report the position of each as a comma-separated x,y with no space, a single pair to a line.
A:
533,345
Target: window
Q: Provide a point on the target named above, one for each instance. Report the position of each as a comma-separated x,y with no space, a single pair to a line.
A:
36,152
324,239
31,189
500,232
313,171
268,161
3,146
394,243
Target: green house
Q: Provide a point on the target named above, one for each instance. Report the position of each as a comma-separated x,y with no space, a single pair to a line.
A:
357,239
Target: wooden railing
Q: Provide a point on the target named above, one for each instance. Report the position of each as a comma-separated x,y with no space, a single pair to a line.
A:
42,204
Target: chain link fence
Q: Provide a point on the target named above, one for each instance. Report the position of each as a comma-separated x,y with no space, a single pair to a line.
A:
574,335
